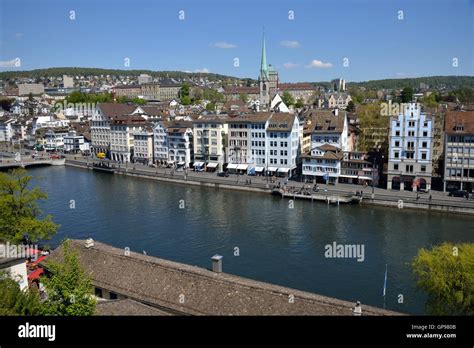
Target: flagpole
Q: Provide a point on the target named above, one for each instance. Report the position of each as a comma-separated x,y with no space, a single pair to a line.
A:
384,286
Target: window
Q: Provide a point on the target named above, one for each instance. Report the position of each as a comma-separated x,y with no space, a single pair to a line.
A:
397,144
395,166
98,292
113,296
397,133
397,154
423,155
423,168
424,144
409,168
425,134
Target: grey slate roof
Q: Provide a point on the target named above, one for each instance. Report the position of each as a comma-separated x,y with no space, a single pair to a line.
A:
162,283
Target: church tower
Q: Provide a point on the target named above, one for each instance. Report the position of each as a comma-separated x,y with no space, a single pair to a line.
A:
268,80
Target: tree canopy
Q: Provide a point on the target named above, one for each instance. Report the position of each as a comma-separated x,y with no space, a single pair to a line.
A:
446,274
69,287
14,301
19,211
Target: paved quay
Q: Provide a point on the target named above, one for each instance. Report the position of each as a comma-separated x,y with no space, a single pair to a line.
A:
439,201
154,286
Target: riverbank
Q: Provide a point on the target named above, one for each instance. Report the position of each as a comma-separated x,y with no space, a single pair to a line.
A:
253,185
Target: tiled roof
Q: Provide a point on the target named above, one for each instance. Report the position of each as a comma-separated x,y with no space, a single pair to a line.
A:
459,120
116,109
281,122
296,86
192,290
324,121
127,307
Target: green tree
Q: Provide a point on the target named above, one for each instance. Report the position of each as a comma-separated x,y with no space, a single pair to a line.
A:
14,301
186,100
139,101
68,287
407,95
244,97
446,274
430,101
299,103
350,106
211,106
184,92
19,211
288,98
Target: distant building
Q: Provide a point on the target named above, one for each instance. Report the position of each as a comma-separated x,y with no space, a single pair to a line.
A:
68,82
6,129
337,100
410,150
459,151
338,85
144,78
180,143
33,88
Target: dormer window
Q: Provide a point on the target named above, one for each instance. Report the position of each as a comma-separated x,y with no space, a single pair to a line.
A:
459,128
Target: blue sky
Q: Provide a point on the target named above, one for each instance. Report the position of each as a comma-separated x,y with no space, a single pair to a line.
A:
311,47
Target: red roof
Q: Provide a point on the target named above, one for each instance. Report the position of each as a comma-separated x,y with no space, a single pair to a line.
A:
36,274
39,260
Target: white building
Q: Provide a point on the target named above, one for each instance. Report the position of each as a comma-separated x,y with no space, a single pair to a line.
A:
180,143
100,124
122,130
6,129
210,141
329,140
282,144
160,142
143,145
74,143
410,150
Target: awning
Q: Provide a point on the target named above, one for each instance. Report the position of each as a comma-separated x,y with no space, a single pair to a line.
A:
232,166
212,165
242,166
283,170
272,169
181,163
198,164
36,273
259,169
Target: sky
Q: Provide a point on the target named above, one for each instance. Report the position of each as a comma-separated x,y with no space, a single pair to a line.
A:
306,40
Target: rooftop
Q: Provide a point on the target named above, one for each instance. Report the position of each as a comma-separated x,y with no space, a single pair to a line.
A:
162,283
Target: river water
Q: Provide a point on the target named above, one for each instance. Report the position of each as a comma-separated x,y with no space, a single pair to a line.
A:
277,242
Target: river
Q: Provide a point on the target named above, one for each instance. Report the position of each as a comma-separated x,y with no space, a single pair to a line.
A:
277,242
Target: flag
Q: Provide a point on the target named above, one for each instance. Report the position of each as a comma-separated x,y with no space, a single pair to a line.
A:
385,282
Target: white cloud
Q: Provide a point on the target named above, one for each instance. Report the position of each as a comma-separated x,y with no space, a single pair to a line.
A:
203,70
290,44
10,63
223,44
318,64
290,65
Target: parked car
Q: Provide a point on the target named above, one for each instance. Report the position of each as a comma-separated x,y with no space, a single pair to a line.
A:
223,174
459,193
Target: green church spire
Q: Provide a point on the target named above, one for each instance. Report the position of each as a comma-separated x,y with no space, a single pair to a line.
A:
263,64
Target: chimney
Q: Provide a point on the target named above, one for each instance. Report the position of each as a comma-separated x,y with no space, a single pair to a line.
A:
89,243
217,263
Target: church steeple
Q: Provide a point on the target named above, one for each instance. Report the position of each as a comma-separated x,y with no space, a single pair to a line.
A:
263,64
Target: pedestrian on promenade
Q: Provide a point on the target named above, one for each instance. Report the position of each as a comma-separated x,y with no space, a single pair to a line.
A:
430,197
